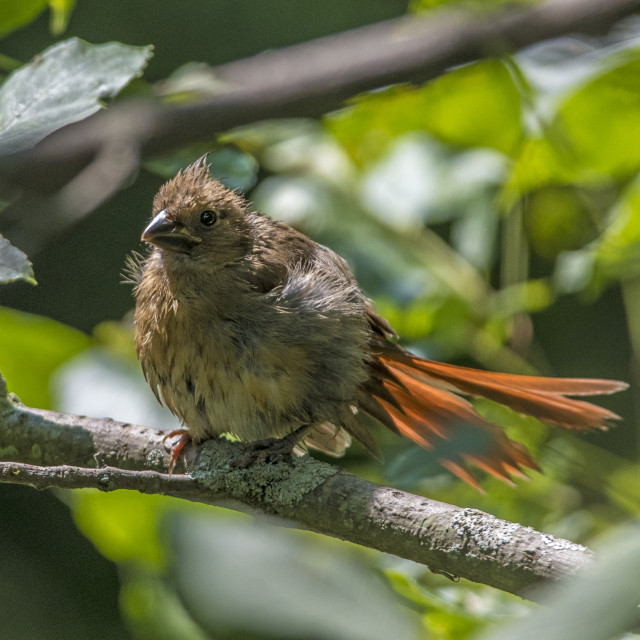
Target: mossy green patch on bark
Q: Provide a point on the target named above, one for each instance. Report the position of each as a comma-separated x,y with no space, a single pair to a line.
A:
279,484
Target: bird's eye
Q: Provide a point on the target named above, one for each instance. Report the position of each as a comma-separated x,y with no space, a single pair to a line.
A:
208,217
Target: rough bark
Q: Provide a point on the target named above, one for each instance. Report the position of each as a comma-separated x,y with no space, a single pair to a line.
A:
38,447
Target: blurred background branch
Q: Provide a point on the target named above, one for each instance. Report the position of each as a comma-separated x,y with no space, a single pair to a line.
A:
309,80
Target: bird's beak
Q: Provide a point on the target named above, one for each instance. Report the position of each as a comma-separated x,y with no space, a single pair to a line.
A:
169,234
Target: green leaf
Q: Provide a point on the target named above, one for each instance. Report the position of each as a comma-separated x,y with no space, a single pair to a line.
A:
151,608
617,253
31,348
601,121
623,487
14,265
60,14
419,6
248,580
593,138
17,13
65,84
558,219
123,525
539,163
477,105
530,296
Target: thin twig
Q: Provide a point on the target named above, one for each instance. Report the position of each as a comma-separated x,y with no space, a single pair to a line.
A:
105,478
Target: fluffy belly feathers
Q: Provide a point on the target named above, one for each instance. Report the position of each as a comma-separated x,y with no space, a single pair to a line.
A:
254,390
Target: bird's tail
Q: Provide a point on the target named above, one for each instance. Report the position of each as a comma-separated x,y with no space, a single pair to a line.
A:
421,399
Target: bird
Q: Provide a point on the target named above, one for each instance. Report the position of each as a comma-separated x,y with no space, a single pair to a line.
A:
246,326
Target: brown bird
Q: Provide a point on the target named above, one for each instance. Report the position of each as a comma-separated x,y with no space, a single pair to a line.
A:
246,326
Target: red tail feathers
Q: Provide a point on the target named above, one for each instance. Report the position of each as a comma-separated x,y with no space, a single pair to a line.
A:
418,398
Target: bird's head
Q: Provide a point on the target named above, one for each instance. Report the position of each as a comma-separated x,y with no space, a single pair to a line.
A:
198,219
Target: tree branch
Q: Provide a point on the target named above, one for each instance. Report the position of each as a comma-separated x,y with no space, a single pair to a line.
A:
103,478
315,495
308,80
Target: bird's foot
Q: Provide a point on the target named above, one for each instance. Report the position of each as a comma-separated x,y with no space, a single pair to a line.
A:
176,450
271,450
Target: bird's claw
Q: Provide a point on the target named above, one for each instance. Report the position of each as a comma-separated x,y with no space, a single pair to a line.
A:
176,449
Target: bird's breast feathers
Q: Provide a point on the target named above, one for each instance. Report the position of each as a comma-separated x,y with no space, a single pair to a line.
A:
226,378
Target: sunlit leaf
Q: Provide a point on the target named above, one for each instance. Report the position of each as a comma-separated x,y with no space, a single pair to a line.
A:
66,83
623,486
191,81
593,138
539,164
14,265
558,219
523,297
123,525
60,14
7,63
617,253
601,121
451,611
31,348
17,13
127,526
418,6
477,105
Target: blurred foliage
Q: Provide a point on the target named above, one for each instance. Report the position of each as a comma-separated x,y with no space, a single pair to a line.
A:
14,264
17,13
31,349
322,592
493,216
425,5
602,604
452,108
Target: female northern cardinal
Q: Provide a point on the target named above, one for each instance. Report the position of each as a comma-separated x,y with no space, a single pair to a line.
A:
246,326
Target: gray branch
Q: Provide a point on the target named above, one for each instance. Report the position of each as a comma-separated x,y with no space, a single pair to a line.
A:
39,447
309,80
104,478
